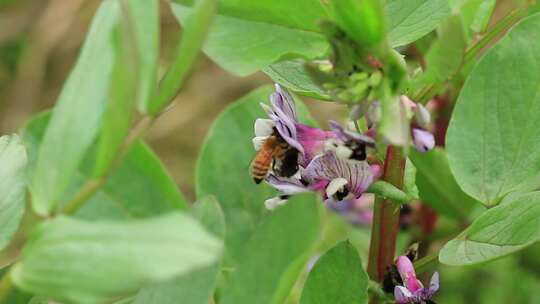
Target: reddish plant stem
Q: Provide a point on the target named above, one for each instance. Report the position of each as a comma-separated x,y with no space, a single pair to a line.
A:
386,218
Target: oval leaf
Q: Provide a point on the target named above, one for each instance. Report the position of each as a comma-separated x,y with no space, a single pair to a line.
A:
197,286
409,20
338,277
293,75
500,231
235,40
76,116
493,134
79,261
437,186
275,255
12,186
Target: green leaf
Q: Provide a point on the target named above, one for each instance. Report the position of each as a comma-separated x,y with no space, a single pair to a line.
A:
482,15
502,230
493,136
197,286
437,185
195,29
79,261
293,75
276,254
122,93
361,20
409,180
300,14
138,187
145,26
409,20
475,13
239,39
223,167
133,77
445,57
12,186
338,277
77,114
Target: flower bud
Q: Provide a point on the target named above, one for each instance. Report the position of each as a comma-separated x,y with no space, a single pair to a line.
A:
422,116
374,113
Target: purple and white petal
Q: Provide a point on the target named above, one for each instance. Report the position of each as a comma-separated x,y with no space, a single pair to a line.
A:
434,284
402,295
423,140
342,207
406,271
286,185
283,100
263,127
328,166
336,185
274,202
312,140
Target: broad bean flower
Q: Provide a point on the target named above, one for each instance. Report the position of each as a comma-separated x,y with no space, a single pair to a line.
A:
412,291
283,118
331,163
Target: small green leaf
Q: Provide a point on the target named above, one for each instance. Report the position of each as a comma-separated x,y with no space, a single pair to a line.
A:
12,186
475,14
223,167
361,20
502,230
197,286
145,26
122,94
437,185
79,261
338,277
409,180
293,75
493,136
482,15
238,39
409,20
275,255
138,187
77,114
195,30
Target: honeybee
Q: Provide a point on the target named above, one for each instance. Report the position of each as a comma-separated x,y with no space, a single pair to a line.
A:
276,153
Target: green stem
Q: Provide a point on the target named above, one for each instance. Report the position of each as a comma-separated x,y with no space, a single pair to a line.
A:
92,185
385,219
501,26
6,285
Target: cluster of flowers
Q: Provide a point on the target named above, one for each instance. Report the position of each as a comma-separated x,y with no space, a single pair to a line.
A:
332,163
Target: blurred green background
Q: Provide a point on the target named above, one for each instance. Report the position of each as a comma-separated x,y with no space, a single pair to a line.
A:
39,42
